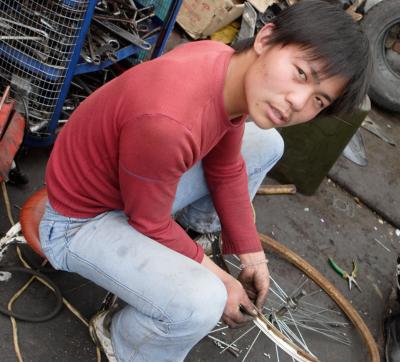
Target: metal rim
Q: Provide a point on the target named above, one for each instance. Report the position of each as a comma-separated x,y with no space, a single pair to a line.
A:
278,332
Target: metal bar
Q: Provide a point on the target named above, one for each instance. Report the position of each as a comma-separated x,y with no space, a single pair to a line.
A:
166,30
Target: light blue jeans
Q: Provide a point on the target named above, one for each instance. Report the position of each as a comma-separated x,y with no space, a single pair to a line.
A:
172,301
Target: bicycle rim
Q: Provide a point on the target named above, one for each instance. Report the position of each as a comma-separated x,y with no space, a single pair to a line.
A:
304,311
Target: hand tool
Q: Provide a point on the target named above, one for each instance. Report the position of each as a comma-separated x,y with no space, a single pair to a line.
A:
130,37
5,23
20,37
345,275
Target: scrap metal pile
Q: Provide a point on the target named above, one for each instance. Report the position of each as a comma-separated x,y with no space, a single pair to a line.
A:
115,25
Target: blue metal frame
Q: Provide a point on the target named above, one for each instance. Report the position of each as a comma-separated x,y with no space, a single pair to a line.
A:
168,26
74,68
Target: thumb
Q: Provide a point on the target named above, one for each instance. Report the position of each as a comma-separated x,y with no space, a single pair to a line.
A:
261,297
248,308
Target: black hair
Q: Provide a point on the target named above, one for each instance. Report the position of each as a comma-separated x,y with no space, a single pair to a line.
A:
328,34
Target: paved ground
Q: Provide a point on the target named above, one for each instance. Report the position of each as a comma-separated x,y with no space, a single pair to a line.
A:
350,216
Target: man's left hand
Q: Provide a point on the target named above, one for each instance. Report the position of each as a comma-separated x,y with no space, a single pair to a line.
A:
255,277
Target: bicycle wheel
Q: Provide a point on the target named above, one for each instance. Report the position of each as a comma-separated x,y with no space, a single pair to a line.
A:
305,317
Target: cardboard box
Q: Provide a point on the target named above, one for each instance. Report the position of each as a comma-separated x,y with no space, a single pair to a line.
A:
201,18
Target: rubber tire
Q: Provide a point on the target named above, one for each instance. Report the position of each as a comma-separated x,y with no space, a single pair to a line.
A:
385,84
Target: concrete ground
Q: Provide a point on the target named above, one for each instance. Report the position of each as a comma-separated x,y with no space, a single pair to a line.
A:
353,214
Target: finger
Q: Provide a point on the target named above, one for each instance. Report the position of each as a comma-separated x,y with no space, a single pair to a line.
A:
251,293
261,298
239,316
230,322
238,322
248,307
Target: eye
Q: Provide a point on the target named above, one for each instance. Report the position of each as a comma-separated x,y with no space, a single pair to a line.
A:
319,102
302,73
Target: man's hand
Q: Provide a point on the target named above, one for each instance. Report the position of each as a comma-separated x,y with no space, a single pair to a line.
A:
238,309
255,277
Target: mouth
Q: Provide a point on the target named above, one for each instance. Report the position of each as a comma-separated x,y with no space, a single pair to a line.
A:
276,116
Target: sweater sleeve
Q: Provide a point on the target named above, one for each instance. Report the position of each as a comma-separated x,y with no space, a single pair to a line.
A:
154,151
226,176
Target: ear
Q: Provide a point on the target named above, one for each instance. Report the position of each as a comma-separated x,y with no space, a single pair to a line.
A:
262,38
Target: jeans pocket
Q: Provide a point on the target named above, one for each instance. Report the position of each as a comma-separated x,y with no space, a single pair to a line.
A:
45,232
53,241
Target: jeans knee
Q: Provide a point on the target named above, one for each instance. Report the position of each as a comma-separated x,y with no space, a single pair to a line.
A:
263,150
205,306
271,146
278,144
210,308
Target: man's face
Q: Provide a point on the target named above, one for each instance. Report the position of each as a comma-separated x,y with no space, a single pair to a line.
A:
283,88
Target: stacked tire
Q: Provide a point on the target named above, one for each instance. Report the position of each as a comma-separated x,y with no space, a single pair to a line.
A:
382,25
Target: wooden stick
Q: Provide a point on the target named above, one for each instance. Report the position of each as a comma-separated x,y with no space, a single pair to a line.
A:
276,189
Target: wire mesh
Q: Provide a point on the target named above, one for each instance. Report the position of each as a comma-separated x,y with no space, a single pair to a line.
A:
37,40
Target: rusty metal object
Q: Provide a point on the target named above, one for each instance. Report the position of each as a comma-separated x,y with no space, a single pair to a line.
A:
12,126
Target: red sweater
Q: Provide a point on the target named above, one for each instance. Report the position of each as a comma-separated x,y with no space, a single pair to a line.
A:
126,146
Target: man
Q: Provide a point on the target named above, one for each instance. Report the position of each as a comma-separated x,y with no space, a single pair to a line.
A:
163,137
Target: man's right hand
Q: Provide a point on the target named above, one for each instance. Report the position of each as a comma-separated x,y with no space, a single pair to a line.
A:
238,309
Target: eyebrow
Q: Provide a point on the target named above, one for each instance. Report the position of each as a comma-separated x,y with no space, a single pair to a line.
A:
317,80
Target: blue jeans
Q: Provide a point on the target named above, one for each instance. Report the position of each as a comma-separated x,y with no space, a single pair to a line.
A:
172,301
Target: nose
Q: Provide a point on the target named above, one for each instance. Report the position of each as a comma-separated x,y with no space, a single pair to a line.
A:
298,98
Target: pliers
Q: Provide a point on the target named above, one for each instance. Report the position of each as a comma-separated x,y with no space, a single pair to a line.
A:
345,275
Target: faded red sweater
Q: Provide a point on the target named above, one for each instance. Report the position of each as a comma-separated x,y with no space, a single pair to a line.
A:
126,146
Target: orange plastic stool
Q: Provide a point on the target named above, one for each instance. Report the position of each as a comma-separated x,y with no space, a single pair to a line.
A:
30,216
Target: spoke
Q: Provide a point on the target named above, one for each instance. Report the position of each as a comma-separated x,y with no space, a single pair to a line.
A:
232,264
275,304
221,343
276,346
314,292
334,336
291,335
298,331
300,286
311,316
240,337
323,310
315,328
284,332
251,346
322,330
304,301
277,295
277,353
218,329
278,287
